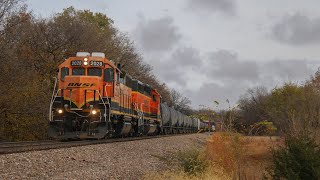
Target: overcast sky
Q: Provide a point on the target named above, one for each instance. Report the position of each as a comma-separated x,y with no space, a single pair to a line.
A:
215,49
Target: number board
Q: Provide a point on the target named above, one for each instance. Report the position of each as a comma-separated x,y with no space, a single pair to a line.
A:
76,63
96,63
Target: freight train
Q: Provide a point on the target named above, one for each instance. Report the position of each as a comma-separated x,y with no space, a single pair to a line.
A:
94,99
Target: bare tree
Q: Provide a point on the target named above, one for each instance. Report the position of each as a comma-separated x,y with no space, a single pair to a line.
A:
9,8
252,108
179,102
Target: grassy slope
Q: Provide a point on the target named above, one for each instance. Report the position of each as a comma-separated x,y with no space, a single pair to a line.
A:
228,156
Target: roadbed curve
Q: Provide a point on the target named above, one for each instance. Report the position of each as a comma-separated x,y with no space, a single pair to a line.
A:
122,160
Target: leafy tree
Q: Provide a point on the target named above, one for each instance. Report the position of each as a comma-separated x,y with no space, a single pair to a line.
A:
290,108
294,108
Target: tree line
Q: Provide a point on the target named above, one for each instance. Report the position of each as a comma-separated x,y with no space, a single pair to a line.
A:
33,47
291,109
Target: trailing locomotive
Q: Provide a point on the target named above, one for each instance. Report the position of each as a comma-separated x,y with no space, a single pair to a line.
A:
94,98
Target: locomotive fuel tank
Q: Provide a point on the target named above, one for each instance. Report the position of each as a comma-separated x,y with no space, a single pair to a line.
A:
150,129
126,128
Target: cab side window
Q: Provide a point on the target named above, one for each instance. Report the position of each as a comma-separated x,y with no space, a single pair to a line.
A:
64,72
108,75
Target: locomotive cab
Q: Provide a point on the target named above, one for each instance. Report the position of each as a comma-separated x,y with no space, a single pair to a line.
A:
78,109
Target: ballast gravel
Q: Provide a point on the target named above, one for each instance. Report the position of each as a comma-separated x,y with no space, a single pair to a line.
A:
122,160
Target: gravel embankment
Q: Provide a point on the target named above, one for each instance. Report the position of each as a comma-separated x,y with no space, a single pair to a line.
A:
124,160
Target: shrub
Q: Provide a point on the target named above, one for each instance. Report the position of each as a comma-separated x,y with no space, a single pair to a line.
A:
192,161
298,159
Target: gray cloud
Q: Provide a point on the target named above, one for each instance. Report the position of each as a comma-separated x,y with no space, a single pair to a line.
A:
174,75
186,56
278,71
224,64
210,92
229,76
157,34
289,69
297,29
212,6
181,61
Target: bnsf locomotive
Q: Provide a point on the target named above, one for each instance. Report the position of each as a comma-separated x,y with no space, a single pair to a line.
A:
94,98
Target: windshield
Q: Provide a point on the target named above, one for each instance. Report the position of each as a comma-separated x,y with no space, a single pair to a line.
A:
78,71
94,72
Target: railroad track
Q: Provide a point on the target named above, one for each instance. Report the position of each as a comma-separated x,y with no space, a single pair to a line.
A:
17,147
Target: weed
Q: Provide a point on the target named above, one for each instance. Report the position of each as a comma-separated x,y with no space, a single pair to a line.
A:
192,161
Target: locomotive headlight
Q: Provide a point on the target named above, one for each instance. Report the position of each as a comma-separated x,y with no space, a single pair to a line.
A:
85,63
94,112
60,111
85,59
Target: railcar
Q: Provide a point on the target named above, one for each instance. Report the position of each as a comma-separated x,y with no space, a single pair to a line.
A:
174,121
94,98
206,126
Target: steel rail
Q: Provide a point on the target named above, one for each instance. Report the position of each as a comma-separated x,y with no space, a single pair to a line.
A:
26,146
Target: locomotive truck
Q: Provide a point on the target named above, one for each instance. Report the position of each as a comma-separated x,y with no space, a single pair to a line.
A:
94,99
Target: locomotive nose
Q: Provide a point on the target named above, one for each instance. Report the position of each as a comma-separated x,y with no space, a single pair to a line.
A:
82,82
81,89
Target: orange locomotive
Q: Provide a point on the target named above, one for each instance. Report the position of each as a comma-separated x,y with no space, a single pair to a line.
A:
95,99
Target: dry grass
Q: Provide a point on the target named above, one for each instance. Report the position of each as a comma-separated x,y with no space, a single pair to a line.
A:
242,157
230,156
212,172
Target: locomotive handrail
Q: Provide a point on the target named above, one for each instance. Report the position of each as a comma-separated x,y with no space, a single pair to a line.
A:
54,88
105,107
52,98
109,112
139,113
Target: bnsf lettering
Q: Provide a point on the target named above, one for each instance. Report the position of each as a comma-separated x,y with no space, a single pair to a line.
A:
81,84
